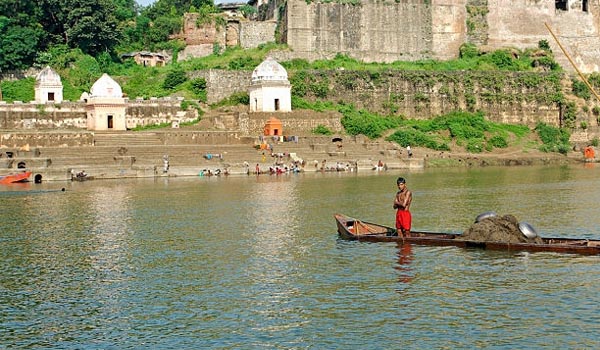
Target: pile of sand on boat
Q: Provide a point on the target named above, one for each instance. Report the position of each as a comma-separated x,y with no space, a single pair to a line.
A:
494,228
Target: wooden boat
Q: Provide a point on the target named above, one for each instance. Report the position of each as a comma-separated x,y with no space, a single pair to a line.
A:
14,178
354,229
82,178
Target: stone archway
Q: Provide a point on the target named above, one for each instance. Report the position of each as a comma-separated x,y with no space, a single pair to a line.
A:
232,34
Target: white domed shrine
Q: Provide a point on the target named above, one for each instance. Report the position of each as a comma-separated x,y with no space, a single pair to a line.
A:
270,89
106,87
48,86
106,108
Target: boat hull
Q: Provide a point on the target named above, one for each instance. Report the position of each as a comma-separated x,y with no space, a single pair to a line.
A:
15,178
354,229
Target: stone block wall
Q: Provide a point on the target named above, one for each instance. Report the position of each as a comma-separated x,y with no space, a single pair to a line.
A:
508,98
252,34
72,115
33,116
376,31
294,123
221,84
16,140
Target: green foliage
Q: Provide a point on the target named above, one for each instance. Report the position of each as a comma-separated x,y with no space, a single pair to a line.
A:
244,63
581,90
198,88
594,142
18,90
553,139
357,122
570,114
475,145
174,78
412,137
240,98
468,129
152,127
322,130
318,105
248,11
18,44
498,141
468,51
544,45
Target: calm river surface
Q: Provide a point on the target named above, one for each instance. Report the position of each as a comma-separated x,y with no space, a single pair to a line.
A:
255,263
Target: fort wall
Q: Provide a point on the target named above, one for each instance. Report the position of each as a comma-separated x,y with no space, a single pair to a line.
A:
387,31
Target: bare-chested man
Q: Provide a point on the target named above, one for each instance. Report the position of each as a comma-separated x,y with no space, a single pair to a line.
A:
402,204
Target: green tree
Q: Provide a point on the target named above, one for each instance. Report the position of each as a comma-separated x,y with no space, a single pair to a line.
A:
18,44
90,25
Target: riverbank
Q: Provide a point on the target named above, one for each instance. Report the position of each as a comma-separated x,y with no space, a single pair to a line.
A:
191,153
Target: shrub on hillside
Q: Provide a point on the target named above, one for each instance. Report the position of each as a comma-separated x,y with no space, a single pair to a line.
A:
322,130
357,122
553,139
175,77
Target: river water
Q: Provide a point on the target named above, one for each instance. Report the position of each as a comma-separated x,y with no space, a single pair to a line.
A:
255,263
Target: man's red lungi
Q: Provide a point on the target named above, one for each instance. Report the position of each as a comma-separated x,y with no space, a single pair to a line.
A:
403,220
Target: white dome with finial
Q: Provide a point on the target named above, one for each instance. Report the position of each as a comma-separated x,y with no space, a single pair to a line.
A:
269,70
106,87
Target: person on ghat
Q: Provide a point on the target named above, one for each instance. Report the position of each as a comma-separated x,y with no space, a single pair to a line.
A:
402,202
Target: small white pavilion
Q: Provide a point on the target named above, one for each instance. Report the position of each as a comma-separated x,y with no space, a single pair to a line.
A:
48,86
106,106
270,89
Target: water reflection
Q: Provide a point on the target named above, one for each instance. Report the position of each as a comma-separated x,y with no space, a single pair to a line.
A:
405,257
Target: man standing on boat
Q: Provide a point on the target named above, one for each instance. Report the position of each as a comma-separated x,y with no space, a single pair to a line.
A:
402,204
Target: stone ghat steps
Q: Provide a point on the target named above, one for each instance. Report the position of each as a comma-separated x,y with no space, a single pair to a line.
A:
133,160
132,139
233,155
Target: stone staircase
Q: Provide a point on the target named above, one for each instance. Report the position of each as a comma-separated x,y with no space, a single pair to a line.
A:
117,155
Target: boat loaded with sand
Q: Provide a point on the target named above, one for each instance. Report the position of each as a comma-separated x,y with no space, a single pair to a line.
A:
354,229
14,178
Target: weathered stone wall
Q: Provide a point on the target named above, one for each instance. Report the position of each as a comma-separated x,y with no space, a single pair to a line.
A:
525,98
72,115
376,31
31,116
221,84
511,24
385,31
294,123
252,34
19,139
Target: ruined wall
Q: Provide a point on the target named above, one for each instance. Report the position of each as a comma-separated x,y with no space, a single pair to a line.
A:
385,31
520,23
221,84
525,98
252,34
375,31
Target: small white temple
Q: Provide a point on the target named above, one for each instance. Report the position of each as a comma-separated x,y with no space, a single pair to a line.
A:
270,89
48,86
106,108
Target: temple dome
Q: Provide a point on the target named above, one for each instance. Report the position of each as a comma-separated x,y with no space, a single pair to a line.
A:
48,76
269,70
106,87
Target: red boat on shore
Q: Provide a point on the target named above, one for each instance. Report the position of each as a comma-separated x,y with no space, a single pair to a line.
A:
14,178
